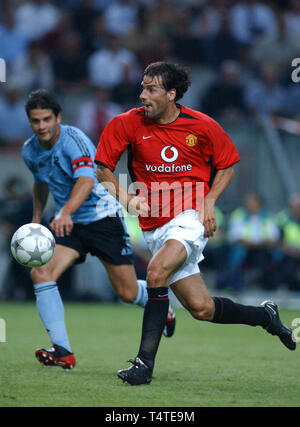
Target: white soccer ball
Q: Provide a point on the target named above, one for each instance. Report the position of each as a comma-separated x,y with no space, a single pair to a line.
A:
32,245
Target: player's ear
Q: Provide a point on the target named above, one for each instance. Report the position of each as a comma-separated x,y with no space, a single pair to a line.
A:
58,118
172,94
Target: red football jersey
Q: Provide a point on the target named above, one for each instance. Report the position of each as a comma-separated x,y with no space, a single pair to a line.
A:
170,163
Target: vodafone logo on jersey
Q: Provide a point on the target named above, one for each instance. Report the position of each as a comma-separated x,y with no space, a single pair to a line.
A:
168,154
173,157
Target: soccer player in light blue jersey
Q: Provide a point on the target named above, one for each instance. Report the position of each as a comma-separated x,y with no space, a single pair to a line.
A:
87,219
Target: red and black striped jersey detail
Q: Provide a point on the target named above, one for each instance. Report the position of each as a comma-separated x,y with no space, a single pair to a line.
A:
82,162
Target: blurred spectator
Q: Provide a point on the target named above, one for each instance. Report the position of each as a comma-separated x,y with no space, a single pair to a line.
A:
289,223
160,49
102,4
160,18
277,50
15,210
121,17
186,46
250,18
32,70
108,67
291,106
94,114
83,18
67,4
13,41
292,18
14,128
224,100
153,38
51,42
220,47
266,95
249,70
69,64
97,38
252,234
16,205
126,94
37,18
207,23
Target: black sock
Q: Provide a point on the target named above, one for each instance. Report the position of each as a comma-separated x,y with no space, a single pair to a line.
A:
155,315
227,311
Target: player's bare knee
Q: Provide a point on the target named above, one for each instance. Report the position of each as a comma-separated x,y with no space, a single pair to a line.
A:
156,277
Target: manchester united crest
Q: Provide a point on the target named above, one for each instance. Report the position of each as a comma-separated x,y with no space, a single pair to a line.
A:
191,140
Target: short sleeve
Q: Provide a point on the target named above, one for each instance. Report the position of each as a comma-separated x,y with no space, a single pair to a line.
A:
113,142
77,148
223,149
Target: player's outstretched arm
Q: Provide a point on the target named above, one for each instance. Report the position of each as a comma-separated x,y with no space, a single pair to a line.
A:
135,205
62,223
40,197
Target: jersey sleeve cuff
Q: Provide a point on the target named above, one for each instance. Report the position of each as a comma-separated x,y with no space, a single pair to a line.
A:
103,164
227,166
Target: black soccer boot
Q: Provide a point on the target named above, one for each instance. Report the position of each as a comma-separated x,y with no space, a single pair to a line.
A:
137,374
276,327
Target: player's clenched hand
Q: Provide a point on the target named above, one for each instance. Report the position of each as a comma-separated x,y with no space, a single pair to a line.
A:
62,224
138,205
209,218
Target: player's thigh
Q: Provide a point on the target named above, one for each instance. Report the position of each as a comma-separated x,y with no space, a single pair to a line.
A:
123,279
194,296
167,260
63,258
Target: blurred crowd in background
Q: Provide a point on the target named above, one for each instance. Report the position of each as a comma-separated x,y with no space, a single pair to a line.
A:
239,50
91,53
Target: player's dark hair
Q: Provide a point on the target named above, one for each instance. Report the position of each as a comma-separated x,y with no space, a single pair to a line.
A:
173,76
43,100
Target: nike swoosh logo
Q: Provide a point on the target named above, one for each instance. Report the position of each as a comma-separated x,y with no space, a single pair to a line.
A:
162,296
273,311
146,137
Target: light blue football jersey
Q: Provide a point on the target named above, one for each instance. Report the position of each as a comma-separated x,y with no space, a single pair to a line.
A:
70,158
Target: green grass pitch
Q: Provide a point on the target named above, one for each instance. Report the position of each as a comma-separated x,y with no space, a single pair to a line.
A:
202,365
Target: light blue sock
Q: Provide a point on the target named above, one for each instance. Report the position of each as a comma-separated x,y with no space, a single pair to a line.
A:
142,296
51,311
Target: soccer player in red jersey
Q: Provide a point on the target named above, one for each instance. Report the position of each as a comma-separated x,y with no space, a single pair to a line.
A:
172,150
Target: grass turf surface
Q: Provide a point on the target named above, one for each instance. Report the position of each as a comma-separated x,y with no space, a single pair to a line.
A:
202,365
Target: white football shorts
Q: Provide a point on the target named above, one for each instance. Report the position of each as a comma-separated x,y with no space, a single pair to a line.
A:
187,229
